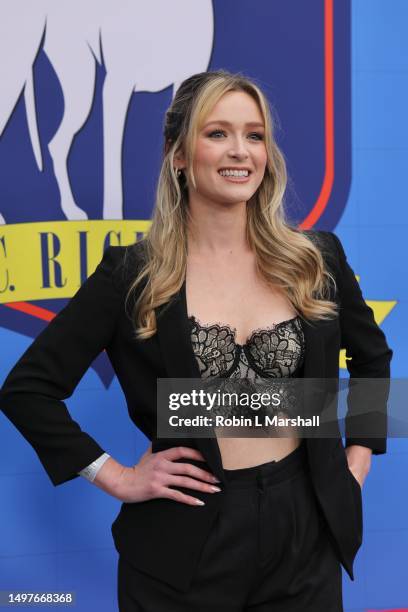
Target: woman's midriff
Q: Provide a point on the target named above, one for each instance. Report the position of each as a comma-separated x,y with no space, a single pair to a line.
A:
237,453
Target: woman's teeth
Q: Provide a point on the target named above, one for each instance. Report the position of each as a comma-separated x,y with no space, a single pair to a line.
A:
234,172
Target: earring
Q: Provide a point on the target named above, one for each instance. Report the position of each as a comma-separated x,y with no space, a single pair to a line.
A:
178,172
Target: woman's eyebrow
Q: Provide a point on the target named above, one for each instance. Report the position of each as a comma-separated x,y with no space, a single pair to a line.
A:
222,122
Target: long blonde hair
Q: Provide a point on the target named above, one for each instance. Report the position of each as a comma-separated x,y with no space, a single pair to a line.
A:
285,256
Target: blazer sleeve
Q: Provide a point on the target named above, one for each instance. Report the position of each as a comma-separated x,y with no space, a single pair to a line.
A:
368,356
48,372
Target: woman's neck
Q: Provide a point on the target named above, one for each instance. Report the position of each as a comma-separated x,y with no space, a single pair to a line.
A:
217,234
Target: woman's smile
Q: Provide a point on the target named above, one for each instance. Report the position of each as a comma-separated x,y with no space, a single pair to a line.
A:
235,175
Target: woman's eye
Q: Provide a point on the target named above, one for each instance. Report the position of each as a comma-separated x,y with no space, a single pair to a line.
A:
211,134
253,135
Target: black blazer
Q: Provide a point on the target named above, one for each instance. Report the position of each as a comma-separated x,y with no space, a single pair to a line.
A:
161,536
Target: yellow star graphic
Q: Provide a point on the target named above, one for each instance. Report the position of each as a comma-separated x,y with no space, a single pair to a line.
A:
381,309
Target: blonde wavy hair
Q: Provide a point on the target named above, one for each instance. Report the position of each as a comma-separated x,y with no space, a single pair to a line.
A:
286,258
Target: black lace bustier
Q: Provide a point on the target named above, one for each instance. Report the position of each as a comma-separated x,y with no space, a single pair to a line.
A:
274,352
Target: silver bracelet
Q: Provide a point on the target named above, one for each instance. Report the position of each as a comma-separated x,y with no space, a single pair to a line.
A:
93,468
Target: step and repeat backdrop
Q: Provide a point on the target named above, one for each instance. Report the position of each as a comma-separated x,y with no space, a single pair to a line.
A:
82,102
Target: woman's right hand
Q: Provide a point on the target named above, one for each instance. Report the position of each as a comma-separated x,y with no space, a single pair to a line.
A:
155,473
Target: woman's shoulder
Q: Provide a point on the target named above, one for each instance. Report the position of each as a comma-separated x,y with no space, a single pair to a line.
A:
124,262
322,239
327,243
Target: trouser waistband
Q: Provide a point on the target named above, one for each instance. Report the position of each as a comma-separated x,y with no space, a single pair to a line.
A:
272,472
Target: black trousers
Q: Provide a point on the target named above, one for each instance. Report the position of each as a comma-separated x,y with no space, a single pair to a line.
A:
269,551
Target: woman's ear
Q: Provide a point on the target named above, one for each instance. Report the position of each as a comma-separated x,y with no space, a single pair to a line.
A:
179,159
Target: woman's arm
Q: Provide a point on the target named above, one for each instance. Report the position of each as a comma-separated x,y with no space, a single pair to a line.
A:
368,356
48,372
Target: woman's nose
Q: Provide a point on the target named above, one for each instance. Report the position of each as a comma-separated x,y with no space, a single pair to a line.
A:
239,150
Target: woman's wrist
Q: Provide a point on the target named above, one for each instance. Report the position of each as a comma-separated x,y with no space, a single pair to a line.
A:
91,470
109,477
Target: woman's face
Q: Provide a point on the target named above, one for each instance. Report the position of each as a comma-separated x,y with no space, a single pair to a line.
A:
231,141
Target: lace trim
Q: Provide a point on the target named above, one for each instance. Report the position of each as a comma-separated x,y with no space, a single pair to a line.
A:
233,330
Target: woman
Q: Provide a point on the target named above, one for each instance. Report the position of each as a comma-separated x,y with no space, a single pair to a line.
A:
222,286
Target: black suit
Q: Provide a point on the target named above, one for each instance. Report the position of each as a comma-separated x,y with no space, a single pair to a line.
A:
160,536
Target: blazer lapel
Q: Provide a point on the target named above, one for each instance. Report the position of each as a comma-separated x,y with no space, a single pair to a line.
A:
318,395
173,334
314,361
174,338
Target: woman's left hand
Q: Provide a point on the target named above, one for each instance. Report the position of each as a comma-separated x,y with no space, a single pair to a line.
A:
359,461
